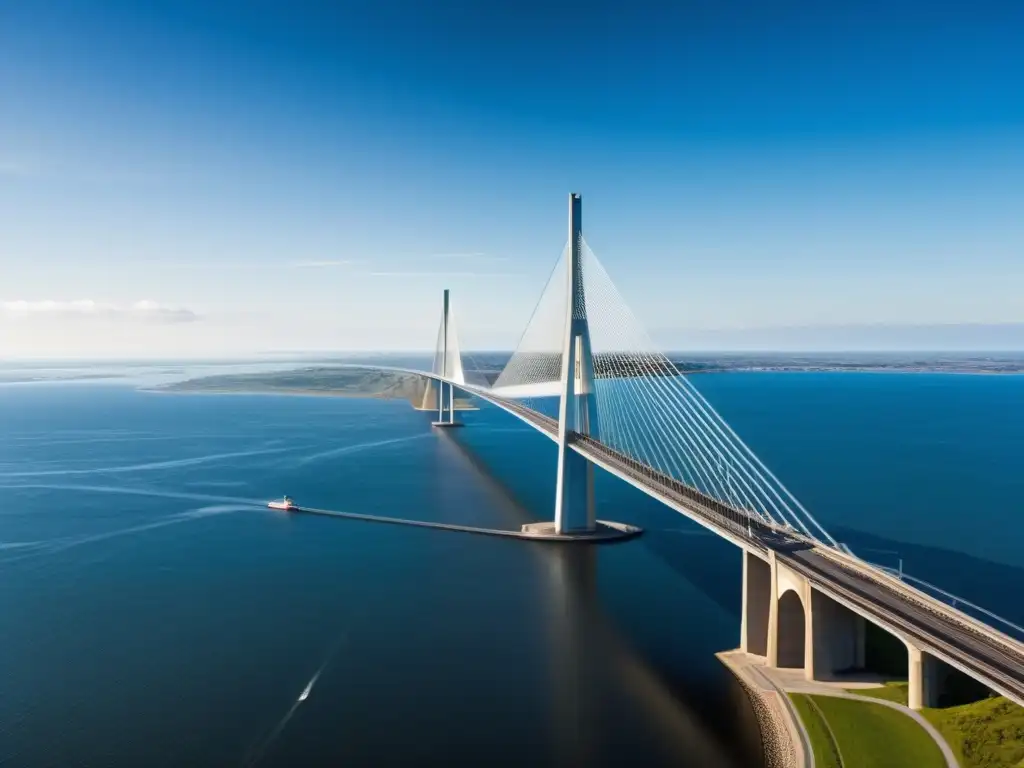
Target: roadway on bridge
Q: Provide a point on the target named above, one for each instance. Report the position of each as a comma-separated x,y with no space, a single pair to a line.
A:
894,605
982,654
996,660
939,632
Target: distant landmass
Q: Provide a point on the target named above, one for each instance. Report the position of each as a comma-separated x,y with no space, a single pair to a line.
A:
33,378
987,363
349,381
332,380
901,338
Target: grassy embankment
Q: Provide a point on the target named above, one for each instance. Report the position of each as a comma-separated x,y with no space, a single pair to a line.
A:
983,734
856,734
826,753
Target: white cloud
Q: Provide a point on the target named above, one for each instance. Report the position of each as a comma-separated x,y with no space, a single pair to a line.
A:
144,311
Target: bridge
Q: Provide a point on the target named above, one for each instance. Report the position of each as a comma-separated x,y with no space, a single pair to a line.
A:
587,376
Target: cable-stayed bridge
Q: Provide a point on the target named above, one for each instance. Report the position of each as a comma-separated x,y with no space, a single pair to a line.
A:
586,375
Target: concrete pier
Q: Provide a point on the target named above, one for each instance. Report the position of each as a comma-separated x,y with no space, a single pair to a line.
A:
602,532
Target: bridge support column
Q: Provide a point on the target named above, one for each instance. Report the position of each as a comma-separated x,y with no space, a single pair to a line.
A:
451,367
794,625
922,674
806,597
772,655
757,599
837,640
577,409
807,629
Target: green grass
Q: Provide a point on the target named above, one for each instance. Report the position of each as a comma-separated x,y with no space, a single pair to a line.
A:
867,735
984,734
896,692
877,736
825,755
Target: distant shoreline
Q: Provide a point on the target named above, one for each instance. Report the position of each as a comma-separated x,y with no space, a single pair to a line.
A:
942,371
269,391
258,385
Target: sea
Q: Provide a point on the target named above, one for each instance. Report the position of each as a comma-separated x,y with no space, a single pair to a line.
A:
154,611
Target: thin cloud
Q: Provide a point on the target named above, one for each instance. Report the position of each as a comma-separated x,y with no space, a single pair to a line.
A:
474,255
35,167
143,311
328,264
439,274
18,167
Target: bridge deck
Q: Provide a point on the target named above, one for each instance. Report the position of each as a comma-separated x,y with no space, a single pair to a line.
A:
939,632
993,658
942,632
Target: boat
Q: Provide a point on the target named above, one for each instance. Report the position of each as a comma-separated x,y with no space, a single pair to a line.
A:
286,504
308,688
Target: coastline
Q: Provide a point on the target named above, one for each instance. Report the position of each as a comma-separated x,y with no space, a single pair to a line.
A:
783,737
461,404
933,371
271,391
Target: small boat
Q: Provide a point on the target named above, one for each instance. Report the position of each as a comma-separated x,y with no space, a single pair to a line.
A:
286,504
305,693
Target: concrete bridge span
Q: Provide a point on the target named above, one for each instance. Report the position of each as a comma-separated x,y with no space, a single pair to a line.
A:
807,600
807,606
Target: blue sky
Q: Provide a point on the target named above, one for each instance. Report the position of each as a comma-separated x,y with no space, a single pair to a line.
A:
211,178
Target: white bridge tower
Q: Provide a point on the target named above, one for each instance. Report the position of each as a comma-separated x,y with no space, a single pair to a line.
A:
448,364
577,409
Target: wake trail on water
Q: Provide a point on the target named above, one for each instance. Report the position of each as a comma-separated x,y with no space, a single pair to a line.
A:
261,749
150,492
167,464
359,447
55,546
5,545
345,449
44,441
76,433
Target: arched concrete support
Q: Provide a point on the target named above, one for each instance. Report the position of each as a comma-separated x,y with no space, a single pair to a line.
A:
837,638
792,630
755,619
922,671
794,623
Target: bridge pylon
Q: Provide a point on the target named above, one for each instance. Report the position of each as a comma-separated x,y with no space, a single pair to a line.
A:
577,409
448,364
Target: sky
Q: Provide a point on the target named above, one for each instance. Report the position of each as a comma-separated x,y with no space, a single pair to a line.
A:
200,178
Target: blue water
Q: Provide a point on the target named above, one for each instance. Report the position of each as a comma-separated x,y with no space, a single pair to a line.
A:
154,612
923,467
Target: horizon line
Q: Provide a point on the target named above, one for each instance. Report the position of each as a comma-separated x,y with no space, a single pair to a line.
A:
267,356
